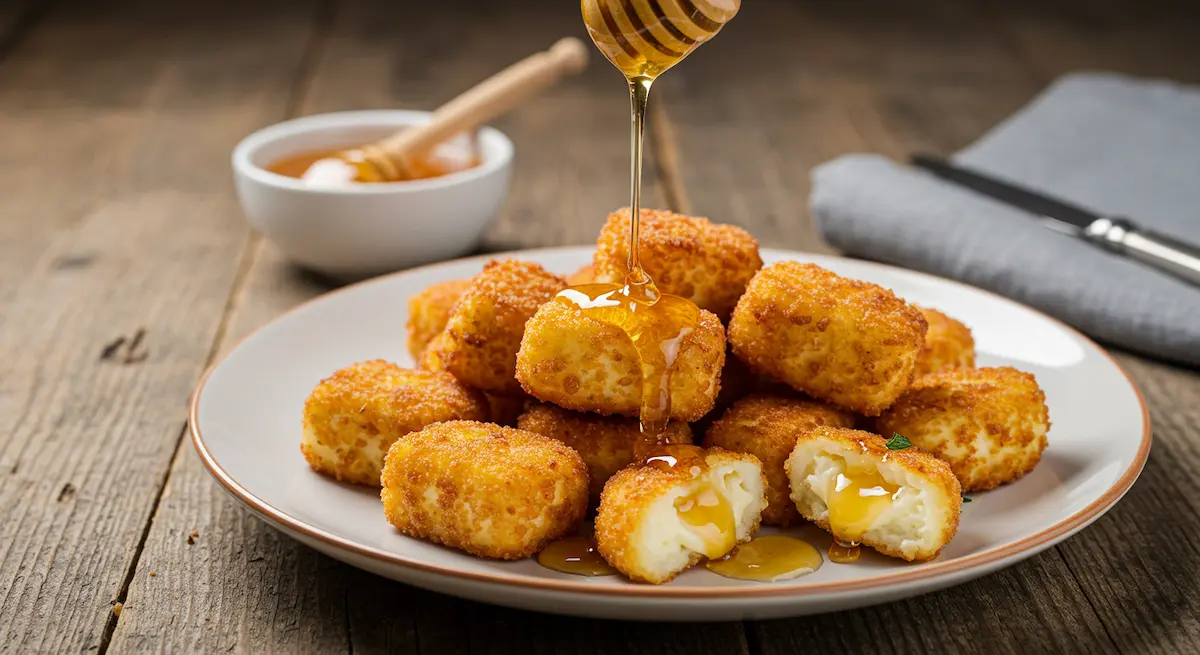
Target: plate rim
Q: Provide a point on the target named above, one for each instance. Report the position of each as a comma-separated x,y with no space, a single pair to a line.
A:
991,557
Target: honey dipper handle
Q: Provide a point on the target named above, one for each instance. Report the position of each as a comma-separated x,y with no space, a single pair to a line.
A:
489,99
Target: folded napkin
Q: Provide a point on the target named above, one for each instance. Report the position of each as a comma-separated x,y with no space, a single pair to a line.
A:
1114,144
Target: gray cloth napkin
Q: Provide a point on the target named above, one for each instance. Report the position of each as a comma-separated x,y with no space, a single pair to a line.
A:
1115,144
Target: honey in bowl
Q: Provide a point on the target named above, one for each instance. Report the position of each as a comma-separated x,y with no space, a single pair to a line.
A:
341,166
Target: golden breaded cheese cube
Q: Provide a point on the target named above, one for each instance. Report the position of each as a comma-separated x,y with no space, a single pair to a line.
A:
353,416
766,425
709,264
903,503
585,275
990,424
485,489
606,443
488,320
429,311
660,517
948,344
503,408
583,364
850,343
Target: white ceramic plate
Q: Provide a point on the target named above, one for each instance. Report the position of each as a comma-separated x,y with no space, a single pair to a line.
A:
245,420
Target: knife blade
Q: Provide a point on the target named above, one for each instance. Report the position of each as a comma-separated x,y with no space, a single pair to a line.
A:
1114,234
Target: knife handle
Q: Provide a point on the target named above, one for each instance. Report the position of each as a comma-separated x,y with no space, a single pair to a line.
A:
1121,236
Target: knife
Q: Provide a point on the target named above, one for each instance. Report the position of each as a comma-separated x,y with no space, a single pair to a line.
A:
1112,233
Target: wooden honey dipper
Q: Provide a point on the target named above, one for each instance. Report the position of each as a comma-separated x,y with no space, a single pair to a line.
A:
387,160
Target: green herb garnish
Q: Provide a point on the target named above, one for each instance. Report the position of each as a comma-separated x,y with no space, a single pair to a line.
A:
898,442
966,499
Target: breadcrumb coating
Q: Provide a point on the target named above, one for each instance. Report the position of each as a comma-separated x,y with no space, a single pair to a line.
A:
707,263
353,416
850,343
767,425
486,325
990,424
923,512
948,344
586,365
429,311
606,443
485,489
638,528
585,275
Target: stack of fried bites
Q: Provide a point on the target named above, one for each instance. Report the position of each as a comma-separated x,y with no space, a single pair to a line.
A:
522,415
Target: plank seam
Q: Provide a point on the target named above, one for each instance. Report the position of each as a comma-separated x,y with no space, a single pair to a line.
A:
302,80
1058,549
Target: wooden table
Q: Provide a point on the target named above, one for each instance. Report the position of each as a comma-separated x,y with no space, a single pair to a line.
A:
126,268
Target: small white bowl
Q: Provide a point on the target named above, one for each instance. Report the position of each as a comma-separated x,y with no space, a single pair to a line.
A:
366,229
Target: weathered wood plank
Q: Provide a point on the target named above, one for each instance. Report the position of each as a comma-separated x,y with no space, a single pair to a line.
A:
117,254
568,177
890,79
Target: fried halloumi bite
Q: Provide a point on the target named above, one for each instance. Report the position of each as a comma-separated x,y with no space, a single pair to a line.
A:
354,415
503,408
482,488
707,263
660,517
584,364
847,342
429,311
606,443
903,503
990,424
486,325
767,425
585,275
948,344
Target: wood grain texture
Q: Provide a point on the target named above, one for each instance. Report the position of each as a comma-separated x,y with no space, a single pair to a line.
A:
118,253
242,578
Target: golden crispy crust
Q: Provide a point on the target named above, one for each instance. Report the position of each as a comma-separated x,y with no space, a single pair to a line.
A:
503,408
583,364
710,264
629,494
606,443
488,490
990,424
486,325
429,311
767,425
847,342
353,416
913,460
948,344
585,275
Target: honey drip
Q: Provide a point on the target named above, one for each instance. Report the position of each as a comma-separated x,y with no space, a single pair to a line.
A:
856,498
771,558
575,555
708,514
643,38
656,324
843,553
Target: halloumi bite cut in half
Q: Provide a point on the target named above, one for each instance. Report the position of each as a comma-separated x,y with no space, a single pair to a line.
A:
485,489
581,363
990,424
904,503
681,505
353,416
765,424
847,342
